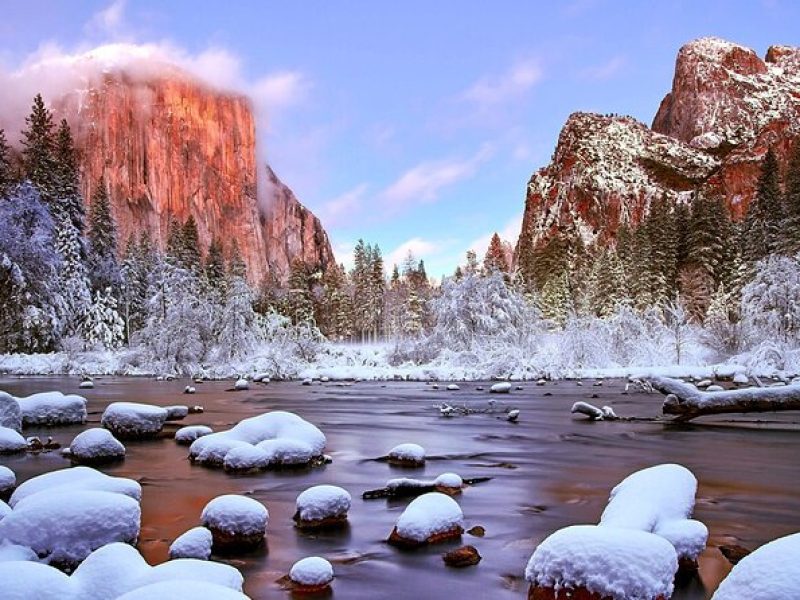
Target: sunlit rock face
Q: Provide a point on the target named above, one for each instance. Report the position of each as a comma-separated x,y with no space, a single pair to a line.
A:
727,106
169,146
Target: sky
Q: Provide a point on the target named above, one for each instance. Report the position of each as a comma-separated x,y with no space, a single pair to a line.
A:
414,125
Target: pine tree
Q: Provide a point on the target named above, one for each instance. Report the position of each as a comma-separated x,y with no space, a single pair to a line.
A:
662,232
236,264
102,236
791,230
38,153
67,192
190,245
765,215
526,255
495,259
300,306
6,173
103,327
554,301
215,265
74,285
236,326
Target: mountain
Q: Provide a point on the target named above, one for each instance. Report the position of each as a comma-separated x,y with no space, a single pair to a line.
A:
727,106
169,146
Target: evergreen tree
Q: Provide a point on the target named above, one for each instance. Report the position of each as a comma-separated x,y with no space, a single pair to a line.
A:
554,300
791,231
495,259
765,215
236,264
190,245
236,326
215,265
662,232
67,192
38,150
300,307
526,255
74,285
102,236
103,327
6,173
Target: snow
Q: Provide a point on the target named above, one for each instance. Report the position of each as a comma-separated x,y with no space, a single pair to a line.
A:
96,444
694,398
241,384
65,526
262,377
408,453
131,419
449,480
196,590
500,388
75,479
195,543
246,457
659,500
283,436
323,502
186,435
312,571
176,412
619,564
13,552
429,515
587,409
7,479
770,573
189,389
5,509
238,515
453,387
52,408
25,580
11,441
10,413
86,385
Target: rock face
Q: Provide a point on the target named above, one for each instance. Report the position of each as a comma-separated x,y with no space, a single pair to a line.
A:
169,147
710,134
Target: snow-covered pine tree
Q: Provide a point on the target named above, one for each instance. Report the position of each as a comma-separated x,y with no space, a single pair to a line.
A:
38,150
642,280
6,171
771,301
236,264
791,229
662,231
103,327
215,265
765,215
190,245
377,290
236,327
495,259
300,307
606,284
722,329
67,191
555,302
74,285
102,236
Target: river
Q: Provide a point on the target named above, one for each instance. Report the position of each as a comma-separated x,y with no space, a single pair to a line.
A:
548,471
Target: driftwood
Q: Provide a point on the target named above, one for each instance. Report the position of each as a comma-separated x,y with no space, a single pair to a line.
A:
412,488
687,402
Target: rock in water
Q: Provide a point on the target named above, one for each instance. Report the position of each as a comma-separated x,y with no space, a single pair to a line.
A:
466,556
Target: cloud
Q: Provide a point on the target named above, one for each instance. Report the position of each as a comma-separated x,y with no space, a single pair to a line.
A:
491,91
606,70
109,21
425,181
342,208
279,91
431,251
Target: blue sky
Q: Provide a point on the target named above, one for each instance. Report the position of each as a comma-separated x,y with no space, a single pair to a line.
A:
412,124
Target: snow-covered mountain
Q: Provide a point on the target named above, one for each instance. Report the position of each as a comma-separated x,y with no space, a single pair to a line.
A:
711,132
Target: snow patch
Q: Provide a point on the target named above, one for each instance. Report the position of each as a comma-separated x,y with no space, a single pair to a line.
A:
195,543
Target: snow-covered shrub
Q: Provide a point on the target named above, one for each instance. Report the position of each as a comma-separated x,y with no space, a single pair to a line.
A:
771,301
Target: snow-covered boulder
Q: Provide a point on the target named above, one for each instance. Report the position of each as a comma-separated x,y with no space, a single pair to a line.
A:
611,563
59,482
307,381
176,412
195,543
453,387
715,388
131,420
704,383
63,527
322,506
741,379
5,509
52,408
236,522
501,388
261,377
190,389
8,480
186,435
287,440
429,519
448,483
659,500
196,590
95,446
86,384
10,412
241,384
311,575
770,573
246,458
14,552
26,580
407,455
11,441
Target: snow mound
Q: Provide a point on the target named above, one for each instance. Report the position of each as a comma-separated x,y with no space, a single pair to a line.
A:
449,480
770,573
75,479
246,458
11,552
96,445
659,500
86,384
11,441
312,572
501,388
5,510
618,564
430,516
283,436
10,413
186,435
409,454
24,580
453,387
7,480
235,521
195,543
64,528
241,384
196,590
176,412
133,420
52,408
322,502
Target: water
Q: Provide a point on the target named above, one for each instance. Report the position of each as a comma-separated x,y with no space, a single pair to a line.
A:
550,470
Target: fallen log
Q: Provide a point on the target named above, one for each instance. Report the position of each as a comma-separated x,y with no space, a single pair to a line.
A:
687,402
405,488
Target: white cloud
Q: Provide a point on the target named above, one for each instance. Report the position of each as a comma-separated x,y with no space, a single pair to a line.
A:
491,91
606,70
421,249
338,210
109,21
279,91
424,182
